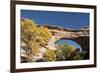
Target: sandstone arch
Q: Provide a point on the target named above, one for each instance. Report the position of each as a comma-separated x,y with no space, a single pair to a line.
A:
80,36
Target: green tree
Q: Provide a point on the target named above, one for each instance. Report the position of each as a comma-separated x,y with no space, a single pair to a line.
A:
67,50
49,55
59,55
77,57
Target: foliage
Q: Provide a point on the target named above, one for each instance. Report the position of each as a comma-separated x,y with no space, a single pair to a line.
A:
67,50
50,55
33,36
59,55
77,57
43,35
84,55
27,31
35,47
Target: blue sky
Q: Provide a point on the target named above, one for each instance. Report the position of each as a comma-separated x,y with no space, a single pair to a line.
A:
64,19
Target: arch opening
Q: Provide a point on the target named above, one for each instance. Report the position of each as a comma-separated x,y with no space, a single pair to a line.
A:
69,42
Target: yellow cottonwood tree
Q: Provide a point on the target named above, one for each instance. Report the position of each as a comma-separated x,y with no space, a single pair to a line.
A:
27,31
44,34
34,36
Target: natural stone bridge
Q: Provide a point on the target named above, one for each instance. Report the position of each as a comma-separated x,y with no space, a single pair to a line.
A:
80,36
